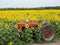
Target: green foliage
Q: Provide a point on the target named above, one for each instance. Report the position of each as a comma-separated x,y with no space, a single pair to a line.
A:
26,36
9,35
31,36
17,37
38,8
56,25
37,35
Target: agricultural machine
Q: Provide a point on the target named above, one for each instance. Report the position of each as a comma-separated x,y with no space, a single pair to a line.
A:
48,32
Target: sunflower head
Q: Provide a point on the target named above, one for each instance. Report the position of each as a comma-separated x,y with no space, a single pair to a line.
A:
6,25
16,26
32,28
26,26
40,25
10,43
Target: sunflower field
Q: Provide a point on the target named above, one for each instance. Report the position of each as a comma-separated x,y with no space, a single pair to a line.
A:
18,15
11,35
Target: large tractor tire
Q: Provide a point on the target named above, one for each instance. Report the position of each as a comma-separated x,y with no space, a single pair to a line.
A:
48,33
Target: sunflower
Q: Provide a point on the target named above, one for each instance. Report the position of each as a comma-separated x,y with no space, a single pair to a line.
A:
40,25
10,43
6,25
16,26
26,26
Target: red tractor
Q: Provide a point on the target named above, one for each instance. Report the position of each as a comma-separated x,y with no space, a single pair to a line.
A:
48,32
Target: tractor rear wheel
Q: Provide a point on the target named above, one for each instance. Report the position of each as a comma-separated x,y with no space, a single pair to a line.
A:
48,33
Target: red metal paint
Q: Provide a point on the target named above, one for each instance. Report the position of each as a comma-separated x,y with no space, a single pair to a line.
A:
22,24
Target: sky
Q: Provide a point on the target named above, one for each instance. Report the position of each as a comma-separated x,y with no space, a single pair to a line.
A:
28,3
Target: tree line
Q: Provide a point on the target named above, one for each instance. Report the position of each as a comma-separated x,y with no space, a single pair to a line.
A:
38,8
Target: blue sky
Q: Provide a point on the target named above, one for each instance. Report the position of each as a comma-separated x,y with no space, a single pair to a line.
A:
28,3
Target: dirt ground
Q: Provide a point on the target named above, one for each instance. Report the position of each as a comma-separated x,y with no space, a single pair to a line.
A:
54,43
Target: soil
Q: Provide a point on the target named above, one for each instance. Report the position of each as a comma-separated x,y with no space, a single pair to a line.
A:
52,43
